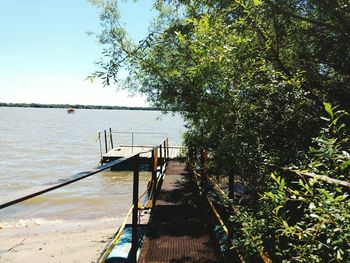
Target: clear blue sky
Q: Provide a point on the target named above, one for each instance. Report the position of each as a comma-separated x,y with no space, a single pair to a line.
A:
45,53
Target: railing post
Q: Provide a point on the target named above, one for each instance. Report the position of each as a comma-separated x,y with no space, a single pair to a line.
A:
231,184
111,137
132,142
152,163
135,201
106,147
160,155
204,162
99,141
167,146
154,174
165,151
205,157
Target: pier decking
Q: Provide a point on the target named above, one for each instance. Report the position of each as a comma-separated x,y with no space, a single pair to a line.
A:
179,230
123,151
144,150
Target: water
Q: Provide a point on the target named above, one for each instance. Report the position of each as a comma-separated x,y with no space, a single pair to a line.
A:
41,145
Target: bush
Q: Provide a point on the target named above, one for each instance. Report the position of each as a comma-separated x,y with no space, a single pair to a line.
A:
304,220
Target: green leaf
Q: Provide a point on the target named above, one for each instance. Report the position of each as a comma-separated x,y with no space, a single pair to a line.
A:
315,216
312,206
258,2
282,183
328,108
325,119
220,58
277,209
340,254
345,165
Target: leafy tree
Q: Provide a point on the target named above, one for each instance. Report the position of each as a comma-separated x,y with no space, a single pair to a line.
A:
250,78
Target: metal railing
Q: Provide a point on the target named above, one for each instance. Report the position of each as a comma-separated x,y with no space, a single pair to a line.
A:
310,175
205,182
107,141
158,169
160,154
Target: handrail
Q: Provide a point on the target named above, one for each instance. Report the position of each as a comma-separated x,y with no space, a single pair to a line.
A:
301,173
264,257
108,139
26,194
47,187
50,186
117,236
323,178
138,132
151,188
262,254
217,215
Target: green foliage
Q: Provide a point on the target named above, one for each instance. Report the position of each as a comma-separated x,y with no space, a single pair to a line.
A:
250,78
331,156
303,220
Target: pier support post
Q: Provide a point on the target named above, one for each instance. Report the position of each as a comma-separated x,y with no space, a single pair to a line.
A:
135,200
111,137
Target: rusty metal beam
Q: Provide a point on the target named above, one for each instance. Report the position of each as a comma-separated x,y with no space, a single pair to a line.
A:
20,196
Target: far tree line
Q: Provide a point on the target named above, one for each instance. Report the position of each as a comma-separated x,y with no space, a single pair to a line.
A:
75,106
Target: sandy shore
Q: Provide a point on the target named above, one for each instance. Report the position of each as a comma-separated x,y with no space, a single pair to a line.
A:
56,241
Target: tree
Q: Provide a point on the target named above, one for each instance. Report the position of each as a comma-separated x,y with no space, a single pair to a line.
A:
249,76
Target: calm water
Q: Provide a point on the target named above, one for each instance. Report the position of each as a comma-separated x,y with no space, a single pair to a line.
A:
41,145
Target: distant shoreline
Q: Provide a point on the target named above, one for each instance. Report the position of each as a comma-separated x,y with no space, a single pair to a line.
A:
75,106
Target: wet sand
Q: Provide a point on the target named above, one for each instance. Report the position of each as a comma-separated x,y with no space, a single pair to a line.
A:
56,241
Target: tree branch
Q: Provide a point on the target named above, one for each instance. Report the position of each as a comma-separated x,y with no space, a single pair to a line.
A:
281,10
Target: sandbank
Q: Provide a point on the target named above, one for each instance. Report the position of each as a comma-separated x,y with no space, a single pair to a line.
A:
55,241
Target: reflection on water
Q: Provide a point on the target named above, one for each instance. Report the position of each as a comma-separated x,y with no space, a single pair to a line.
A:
42,145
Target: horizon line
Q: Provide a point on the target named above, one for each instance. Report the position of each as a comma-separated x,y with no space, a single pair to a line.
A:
75,105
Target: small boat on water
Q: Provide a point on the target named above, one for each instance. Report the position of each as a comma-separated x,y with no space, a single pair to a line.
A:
70,110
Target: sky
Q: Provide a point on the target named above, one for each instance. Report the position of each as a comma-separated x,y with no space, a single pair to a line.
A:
46,53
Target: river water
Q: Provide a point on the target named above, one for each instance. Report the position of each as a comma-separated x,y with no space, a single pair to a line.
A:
42,145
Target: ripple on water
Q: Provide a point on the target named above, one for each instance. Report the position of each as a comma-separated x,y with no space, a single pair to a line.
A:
42,145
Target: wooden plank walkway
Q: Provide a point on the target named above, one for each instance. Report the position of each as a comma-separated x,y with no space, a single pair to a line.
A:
179,231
